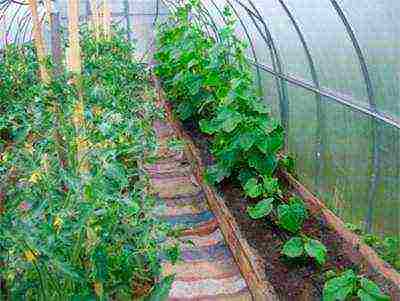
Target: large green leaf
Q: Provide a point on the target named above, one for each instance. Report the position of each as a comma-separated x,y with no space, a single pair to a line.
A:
253,188
229,119
316,249
185,110
292,216
216,173
294,247
370,291
271,143
246,140
339,288
265,165
261,209
208,126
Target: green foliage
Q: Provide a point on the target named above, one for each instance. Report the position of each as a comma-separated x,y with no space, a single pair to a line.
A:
261,209
292,215
211,82
19,93
348,285
64,234
299,246
388,248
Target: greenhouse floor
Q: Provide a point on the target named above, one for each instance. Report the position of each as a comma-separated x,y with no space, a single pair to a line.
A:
207,270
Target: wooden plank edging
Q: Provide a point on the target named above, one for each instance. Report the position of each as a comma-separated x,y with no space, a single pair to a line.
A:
357,251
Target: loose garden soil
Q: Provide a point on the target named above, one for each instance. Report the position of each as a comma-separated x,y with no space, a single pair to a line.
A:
292,280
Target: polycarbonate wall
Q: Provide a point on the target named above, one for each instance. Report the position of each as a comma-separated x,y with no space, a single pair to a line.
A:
330,71
135,16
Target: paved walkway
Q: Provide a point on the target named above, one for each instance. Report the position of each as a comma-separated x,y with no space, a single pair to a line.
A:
207,270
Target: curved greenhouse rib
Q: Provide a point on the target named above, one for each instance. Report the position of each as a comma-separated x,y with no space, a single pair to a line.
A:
320,112
376,139
276,62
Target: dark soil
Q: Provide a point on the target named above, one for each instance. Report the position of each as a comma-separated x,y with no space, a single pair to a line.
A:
292,280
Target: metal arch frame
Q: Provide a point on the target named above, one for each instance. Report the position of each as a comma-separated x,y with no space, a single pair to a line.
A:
276,63
315,87
253,50
320,135
376,139
340,98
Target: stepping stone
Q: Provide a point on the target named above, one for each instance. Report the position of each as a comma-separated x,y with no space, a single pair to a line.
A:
207,270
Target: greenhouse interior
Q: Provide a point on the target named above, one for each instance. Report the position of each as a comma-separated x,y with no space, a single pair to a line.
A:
193,150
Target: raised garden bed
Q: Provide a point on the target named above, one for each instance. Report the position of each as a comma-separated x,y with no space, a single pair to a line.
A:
258,243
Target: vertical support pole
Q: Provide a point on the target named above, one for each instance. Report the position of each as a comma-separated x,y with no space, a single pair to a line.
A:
128,20
95,17
88,11
106,19
56,50
74,50
39,44
74,66
49,9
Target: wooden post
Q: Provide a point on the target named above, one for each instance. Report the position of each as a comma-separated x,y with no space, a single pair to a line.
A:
49,9
106,19
74,50
74,66
56,51
39,44
127,18
95,17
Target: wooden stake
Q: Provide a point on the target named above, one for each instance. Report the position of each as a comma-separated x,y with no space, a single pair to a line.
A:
74,50
74,66
39,44
49,9
106,19
95,17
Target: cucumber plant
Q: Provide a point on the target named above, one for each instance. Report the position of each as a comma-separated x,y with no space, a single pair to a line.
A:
348,285
209,81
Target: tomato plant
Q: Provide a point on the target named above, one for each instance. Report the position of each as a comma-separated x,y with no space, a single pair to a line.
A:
64,234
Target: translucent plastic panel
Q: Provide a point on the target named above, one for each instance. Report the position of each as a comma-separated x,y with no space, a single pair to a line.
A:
215,10
269,87
15,24
386,206
302,131
253,27
335,58
285,38
348,161
377,26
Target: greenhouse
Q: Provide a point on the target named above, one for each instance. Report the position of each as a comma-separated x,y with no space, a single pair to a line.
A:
193,150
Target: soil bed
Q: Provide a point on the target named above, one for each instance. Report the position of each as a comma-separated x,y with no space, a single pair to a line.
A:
292,280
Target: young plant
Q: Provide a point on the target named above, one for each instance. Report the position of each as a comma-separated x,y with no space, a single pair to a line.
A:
292,215
349,285
300,246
